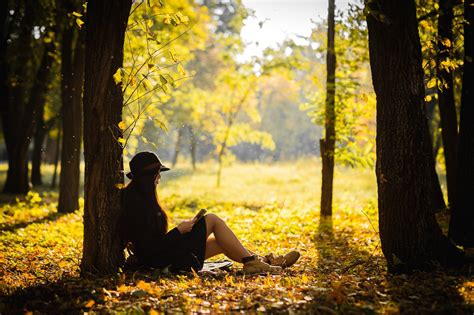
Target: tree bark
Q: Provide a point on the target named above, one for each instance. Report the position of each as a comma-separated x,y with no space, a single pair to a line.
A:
4,34
72,69
56,157
328,143
15,122
19,136
410,235
37,155
103,101
447,107
461,225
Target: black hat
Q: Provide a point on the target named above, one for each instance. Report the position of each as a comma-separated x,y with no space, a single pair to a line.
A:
145,163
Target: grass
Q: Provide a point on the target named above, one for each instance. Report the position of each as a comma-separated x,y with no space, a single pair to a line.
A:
272,208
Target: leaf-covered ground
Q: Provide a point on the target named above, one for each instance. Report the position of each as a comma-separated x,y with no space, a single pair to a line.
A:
272,208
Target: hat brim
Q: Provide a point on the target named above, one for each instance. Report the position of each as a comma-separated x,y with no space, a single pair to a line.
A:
162,169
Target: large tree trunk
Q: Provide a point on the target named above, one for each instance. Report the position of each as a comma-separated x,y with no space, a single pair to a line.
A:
410,235
327,145
72,69
447,107
461,227
14,107
4,34
103,101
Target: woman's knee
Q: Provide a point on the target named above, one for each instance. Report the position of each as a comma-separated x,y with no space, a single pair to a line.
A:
212,219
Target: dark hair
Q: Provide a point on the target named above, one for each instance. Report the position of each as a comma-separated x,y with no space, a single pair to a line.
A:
142,212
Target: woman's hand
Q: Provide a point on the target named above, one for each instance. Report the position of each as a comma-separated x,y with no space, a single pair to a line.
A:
186,226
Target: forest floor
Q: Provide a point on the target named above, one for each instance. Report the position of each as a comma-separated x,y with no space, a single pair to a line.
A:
272,208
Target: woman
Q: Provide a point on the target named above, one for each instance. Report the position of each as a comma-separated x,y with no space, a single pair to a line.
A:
186,246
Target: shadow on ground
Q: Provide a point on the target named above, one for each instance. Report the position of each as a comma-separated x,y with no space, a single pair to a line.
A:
361,284
53,216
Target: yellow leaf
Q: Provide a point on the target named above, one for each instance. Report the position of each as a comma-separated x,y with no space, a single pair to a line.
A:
118,76
431,83
133,81
119,185
446,42
121,140
181,70
122,288
229,280
153,312
76,14
304,278
90,303
62,264
181,18
428,98
424,24
122,125
79,22
167,19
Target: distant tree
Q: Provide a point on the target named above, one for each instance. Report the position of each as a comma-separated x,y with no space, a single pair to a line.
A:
410,235
106,22
72,79
328,143
26,70
461,225
447,106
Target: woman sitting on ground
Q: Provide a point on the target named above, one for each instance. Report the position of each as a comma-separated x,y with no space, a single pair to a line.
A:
145,224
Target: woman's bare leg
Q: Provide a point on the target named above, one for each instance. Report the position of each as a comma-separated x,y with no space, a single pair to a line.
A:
225,239
212,248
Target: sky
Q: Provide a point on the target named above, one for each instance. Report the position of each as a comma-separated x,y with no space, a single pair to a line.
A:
283,19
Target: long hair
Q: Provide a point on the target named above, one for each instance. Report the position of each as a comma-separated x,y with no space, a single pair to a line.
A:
142,209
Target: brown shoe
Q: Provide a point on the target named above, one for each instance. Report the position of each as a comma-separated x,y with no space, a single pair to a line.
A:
257,266
282,261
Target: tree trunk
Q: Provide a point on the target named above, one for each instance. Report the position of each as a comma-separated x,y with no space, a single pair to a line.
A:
461,225
72,69
56,158
177,146
103,101
19,136
192,140
447,107
37,156
4,34
327,145
436,146
438,198
410,235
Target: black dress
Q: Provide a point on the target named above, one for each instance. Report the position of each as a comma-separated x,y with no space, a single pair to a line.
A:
179,252
143,226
